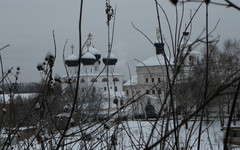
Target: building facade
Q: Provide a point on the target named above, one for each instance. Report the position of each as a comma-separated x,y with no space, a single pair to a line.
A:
96,75
151,82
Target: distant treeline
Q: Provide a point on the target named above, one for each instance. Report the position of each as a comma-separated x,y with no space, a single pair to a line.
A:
32,87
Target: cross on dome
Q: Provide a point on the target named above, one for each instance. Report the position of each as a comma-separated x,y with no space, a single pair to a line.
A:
89,41
72,47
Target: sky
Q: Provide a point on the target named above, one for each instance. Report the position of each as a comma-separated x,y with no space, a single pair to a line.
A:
27,26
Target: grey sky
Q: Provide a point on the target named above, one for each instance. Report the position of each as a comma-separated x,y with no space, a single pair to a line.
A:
27,26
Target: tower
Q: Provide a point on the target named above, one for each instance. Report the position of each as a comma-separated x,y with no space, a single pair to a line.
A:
72,62
91,57
110,61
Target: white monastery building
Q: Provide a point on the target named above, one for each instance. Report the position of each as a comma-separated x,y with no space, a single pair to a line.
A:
149,86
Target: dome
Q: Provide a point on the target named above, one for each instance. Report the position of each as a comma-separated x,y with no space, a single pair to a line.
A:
93,51
112,60
72,60
88,59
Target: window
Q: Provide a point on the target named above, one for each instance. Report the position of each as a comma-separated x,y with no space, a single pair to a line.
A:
91,70
190,60
104,80
115,79
159,80
147,91
153,91
127,92
82,80
132,92
105,89
85,70
152,79
93,80
234,134
110,87
82,89
115,89
115,101
181,60
121,102
159,91
146,80
95,68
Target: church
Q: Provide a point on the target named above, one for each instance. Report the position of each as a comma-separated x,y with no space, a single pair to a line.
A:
96,76
150,84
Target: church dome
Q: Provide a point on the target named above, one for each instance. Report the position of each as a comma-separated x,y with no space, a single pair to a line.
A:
112,60
95,52
88,59
72,60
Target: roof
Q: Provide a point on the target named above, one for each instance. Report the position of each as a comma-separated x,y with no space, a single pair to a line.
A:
133,81
112,93
103,74
89,56
72,57
112,56
93,50
156,60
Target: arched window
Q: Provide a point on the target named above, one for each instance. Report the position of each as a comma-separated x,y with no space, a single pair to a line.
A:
93,80
104,80
191,60
74,80
150,111
115,101
181,60
121,102
82,80
115,79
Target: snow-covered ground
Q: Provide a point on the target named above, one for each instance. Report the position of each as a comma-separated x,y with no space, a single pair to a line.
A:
6,97
130,135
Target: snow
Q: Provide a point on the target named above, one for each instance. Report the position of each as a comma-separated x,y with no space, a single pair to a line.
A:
156,60
37,106
133,81
63,115
72,57
57,76
195,53
153,97
67,115
112,94
131,135
192,52
89,56
22,95
94,51
112,56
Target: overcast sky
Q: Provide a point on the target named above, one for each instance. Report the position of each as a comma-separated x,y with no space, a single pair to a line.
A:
27,26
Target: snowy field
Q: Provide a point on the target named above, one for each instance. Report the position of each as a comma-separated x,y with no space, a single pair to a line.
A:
130,135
